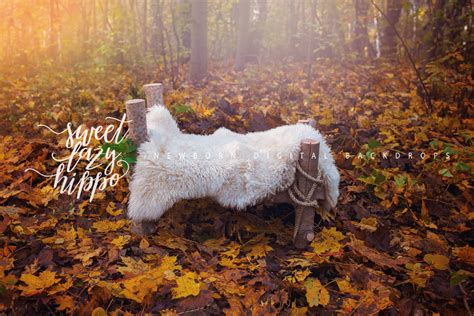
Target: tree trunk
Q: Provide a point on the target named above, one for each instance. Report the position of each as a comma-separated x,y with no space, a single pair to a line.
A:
242,34
133,19
389,37
85,28
262,20
176,37
361,37
145,26
105,18
94,19
198,67
291,27
162,38
309,52
154,27
332,30
53,30
438,21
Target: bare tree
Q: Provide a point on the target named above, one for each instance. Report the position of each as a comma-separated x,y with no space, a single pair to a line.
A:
291,27
242,34
198,67
310,47
145,26
53,28
361,37
178,44
389,36
154,27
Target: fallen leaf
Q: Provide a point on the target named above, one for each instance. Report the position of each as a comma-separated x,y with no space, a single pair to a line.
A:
186,286
37,284
316,293
439,262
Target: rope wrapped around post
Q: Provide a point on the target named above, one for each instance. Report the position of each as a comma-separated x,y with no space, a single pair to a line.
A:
305,190
298,197
305,209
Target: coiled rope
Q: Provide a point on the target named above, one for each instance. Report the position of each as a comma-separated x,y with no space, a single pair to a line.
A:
297,196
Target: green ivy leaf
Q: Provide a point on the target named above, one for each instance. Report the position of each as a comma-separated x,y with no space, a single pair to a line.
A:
462,167
373,143
400,181
179,108
446,173
379,178
459,276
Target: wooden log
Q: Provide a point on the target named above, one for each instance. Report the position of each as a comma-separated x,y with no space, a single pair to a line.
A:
283,196
136,115
304,215
310,122
154,94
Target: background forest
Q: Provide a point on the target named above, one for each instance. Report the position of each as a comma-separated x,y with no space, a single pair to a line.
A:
377,75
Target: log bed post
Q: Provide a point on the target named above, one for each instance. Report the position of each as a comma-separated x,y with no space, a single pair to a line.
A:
308,160
304,215
154,94
136,115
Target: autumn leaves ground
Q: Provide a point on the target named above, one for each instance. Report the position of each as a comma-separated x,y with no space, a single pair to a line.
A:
400,242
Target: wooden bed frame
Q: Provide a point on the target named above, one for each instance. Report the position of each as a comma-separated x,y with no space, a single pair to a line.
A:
308,160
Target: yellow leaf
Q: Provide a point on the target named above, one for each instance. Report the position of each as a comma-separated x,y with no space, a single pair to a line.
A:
259,250
326,120
37,284
132,266
108,226
298,311
110,209
186,286
99,311
298,276
348,305
144,243
168,312
327,241
137,288
61,287
345,286
82,207
65,303
439,262
86,258
417,275
316,293
465,254
367,223
121,241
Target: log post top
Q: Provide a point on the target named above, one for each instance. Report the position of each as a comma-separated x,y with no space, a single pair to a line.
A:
134,102
310,122
136,113
310,141
153,85
154,94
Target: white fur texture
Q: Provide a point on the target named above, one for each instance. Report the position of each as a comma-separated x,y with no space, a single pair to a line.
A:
224,166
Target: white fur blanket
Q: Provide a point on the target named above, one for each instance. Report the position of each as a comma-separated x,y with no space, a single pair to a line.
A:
236,170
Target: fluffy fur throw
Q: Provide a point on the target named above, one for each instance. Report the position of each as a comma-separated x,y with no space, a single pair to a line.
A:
234,169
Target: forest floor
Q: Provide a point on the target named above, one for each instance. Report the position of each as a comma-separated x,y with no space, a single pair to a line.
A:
400,243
